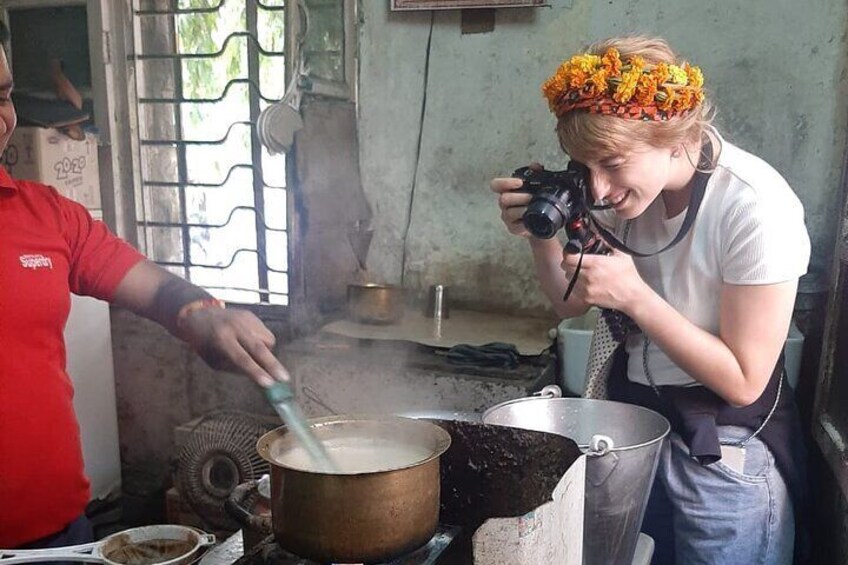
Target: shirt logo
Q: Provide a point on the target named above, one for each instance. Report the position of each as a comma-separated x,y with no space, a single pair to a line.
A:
36,262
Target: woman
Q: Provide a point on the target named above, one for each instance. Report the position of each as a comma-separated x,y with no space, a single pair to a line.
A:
709,314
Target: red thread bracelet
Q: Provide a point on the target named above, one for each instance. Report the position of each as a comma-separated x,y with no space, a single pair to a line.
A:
195,305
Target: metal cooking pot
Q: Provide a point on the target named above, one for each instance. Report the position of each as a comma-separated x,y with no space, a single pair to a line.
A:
367,516
372,303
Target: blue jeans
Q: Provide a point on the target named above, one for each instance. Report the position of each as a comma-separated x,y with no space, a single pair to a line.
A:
715,515
76,533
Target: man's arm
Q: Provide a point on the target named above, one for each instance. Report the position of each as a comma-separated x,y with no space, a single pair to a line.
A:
232,340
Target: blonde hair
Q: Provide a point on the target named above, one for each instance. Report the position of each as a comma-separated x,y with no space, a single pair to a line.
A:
584,134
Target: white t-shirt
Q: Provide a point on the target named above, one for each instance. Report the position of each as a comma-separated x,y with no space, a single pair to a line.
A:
749,231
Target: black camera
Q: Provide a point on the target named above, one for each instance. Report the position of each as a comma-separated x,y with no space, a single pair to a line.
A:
560,201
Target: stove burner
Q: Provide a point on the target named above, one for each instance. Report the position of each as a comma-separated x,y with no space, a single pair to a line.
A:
269,553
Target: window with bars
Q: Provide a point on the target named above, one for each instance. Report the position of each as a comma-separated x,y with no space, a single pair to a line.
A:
212,200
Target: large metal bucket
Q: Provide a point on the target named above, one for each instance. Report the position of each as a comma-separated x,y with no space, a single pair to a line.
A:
622,442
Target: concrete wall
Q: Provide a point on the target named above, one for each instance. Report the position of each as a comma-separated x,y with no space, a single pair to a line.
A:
776,70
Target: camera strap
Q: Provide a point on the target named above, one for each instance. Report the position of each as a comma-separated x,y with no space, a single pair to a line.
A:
699,188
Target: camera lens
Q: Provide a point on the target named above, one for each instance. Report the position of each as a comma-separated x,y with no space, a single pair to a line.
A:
546,214
543,223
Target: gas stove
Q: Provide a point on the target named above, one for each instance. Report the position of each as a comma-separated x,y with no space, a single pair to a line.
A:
448,547
230,552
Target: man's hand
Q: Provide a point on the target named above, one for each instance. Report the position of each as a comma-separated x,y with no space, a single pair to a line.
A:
234,340
227,339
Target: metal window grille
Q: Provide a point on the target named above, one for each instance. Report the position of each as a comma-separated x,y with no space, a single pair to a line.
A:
213,204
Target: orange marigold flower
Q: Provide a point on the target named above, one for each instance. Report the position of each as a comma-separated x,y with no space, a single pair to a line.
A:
646,90
553,88
683,99
577,78
554,85
598,82
611,61
660,89
637,62
668,103
561,74
661,73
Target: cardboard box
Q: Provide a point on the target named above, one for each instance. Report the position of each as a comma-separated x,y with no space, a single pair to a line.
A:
520,494
50,157
552,533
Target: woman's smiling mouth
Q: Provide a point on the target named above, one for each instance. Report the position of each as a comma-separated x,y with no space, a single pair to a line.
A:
619,199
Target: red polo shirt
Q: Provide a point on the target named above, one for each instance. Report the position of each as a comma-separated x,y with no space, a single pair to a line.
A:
49,247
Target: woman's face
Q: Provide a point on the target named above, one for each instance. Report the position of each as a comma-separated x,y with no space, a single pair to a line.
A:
631,179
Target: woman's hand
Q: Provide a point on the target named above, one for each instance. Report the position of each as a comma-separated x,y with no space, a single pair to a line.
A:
736,364
547,253
512,204
607,281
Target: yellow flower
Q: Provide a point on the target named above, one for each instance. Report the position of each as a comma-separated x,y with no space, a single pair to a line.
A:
637,61
586,62
696,77
629,81
678,75
626,89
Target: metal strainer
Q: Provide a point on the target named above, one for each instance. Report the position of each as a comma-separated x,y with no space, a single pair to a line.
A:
147,545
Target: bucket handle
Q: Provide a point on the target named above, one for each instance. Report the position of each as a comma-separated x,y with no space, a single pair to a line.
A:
604,460
600,445
550,391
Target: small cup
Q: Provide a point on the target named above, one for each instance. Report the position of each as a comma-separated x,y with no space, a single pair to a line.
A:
437,302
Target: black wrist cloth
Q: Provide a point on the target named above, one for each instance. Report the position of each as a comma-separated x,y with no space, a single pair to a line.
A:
488,355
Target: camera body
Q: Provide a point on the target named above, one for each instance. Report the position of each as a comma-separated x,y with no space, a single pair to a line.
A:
559,201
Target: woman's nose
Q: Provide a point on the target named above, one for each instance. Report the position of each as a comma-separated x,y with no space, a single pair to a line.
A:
599,184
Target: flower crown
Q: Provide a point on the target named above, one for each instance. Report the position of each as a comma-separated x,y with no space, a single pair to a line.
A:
629,89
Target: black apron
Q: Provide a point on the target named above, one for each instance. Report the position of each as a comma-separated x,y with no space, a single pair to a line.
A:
695,412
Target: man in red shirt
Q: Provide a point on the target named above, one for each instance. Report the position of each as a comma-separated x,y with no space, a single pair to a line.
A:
49,247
